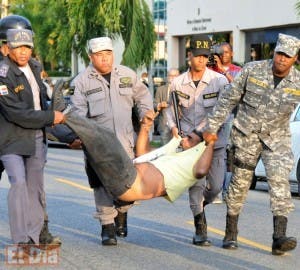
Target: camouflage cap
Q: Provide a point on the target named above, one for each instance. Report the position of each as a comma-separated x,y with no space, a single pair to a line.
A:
287,44
19,37
100,44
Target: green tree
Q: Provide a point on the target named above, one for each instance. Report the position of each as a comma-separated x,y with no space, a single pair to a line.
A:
298,7
63,25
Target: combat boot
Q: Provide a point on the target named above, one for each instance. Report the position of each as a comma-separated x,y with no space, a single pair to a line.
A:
200,237
47,239
108,235
121,224
230,239
281,243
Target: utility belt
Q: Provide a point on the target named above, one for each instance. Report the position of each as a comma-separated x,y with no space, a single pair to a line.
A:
243,165
233,161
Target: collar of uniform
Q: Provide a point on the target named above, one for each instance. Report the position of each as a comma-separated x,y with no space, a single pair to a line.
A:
95,73
205,78
14,67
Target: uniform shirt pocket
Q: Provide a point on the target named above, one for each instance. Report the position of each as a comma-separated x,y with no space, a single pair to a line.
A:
210,99
254,97
96,103
125,91
183,102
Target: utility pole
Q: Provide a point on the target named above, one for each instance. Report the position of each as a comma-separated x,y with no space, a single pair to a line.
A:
4,8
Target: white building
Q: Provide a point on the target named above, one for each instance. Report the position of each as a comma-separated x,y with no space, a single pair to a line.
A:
251,25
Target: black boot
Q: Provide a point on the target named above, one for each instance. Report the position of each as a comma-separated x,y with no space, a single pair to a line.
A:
230,239
200,237
46,238
121,224
108,235
281,243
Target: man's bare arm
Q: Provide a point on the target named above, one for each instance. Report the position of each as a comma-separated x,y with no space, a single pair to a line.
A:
142,143
203,164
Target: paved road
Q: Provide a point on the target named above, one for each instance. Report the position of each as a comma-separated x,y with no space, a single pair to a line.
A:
160,233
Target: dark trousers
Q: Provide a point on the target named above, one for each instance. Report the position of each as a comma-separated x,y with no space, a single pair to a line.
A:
105,154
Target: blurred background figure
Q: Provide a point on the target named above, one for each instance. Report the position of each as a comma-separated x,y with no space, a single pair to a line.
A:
161,103
144,79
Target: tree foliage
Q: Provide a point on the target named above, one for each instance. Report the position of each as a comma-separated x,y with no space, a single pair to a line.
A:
63,25
298,7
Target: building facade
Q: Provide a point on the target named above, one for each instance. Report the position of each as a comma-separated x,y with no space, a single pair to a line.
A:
251,26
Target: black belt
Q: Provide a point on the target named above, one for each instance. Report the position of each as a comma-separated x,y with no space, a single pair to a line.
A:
243,165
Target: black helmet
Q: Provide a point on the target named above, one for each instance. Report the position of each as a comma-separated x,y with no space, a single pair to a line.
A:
13,22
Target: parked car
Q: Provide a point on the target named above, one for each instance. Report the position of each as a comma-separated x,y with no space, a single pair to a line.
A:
260,173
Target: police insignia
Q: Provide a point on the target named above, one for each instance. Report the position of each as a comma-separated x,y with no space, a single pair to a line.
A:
93,91
3,70
210,95
295,92
3,90
126,80
258,82
19,88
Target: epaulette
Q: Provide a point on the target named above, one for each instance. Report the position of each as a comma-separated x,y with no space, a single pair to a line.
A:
4,70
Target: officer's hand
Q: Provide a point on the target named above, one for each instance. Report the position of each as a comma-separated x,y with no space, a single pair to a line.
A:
174,131
59,118
209,137
76,144
162,105
148,119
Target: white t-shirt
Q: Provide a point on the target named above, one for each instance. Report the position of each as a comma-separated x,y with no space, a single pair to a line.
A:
34,86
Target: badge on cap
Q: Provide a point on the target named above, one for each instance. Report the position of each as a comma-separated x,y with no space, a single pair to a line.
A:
3,90
3,70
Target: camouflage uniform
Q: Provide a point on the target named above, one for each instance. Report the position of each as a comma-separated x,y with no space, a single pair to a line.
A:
261,128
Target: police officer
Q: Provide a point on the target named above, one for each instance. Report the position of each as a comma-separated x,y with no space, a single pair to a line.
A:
23,117
20,22
201,87
3,53
106,94
267,92
22,142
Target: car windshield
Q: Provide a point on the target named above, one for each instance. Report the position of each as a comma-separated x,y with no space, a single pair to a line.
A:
297,116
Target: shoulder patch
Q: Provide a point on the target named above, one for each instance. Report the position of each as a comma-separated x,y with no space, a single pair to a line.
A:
3,70
3,90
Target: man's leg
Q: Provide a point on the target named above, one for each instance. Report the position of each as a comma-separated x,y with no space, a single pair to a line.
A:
46,238
113,166
105,210
121,219
1,168
106,214
204,192
17,199
196,199
235,198
35,185
278,167
247,151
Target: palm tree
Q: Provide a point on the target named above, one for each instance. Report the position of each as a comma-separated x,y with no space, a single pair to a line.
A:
61,26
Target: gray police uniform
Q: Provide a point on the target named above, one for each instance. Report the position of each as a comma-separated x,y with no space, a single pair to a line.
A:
193,113
23,148
261,128
110,106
